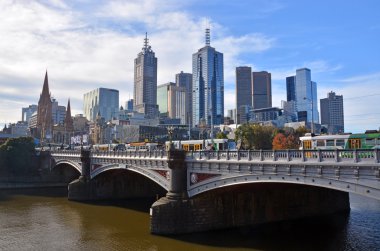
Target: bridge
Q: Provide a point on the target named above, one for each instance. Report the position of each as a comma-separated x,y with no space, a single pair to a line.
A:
192,177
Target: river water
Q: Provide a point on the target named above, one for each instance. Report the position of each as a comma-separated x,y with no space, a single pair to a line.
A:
42,219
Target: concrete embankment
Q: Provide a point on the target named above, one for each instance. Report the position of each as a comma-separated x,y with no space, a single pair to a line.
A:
12,185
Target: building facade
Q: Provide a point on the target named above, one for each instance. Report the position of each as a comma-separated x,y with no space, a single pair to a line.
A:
171,100
185,80
261,90
291,88
306,96
243,91
101,100
332,113
27,112
145,82
208,85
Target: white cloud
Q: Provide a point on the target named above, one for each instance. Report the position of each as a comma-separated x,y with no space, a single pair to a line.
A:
81,55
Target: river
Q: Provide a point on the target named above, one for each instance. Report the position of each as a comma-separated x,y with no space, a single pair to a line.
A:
41,219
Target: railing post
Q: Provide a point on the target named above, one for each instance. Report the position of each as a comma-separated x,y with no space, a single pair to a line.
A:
376,155
355,156
261,155
228,155
303,155
274,155
287,155
238,155
319,156
249,155
217,155
337,155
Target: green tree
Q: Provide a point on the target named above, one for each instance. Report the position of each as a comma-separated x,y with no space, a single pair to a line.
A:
255,136
221,135
17,156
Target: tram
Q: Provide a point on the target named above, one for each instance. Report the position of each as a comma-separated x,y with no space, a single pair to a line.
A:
370,140
207,144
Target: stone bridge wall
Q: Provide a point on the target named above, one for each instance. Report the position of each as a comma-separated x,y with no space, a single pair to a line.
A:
244,205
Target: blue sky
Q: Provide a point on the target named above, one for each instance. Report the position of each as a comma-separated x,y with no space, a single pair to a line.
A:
89,44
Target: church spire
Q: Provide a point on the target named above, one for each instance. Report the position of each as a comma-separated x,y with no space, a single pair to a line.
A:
68,119
45,88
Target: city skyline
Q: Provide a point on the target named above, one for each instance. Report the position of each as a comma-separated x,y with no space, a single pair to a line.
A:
86,46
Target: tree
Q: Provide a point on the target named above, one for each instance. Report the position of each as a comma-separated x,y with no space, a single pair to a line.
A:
280,142
221,135
255,136
17,156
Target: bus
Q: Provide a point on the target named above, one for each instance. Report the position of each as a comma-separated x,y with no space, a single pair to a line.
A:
342,141
207,144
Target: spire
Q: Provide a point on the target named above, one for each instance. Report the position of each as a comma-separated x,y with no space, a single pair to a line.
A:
45,88
146,40
68,119
207,36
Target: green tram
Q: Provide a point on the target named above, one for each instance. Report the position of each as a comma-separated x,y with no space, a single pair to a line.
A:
369,140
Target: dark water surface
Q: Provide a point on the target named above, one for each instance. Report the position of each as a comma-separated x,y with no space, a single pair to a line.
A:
43,219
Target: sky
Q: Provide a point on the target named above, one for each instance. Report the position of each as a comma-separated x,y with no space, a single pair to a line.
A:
87,44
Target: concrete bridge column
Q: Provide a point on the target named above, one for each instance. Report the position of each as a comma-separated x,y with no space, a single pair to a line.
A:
81,189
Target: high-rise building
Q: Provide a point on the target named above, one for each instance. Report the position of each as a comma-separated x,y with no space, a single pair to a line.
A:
172,101
101,100
261,90
129,105
306,95
243,92
332,114
208,85
58,112
145,82
27,112
185,80
291,88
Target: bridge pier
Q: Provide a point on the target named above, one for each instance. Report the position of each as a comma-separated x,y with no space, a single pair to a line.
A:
81,189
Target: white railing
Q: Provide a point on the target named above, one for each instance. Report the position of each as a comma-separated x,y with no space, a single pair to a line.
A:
333,156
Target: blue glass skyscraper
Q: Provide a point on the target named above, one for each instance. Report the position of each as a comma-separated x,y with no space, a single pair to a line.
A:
306,95
208,85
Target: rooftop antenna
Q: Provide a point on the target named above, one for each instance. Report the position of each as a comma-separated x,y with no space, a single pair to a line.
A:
208,36
146,40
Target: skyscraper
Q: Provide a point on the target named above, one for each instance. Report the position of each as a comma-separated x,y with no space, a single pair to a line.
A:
172,101
208,85
243,90
261,90
306,95
185,80
332,114
145,82
101,100
291,88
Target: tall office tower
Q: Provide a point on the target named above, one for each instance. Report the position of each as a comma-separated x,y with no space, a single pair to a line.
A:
44,113
208,85
27,112
101,100
185,80
58,112
332,114
306,96
291,88
261,90
129,105
145,82
243,91
172,101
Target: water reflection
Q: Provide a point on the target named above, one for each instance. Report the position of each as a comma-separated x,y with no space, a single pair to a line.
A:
37,220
